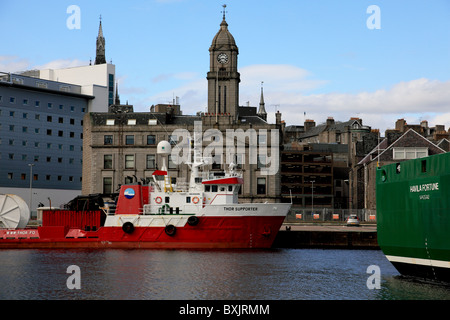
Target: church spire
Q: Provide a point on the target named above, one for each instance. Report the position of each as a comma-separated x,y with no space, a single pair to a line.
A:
262,106
100,50
117,99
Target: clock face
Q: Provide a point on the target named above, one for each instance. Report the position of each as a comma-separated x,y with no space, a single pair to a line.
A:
222,58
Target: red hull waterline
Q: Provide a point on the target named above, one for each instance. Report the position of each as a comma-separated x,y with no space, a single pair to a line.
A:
211,232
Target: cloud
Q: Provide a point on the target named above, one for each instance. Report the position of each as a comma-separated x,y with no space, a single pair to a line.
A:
13,64
17,64
291,90
287,78
61,63
175,76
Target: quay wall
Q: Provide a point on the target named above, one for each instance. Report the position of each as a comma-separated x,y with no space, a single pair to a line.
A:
326,238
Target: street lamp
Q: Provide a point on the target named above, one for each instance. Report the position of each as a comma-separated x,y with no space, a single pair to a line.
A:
31,184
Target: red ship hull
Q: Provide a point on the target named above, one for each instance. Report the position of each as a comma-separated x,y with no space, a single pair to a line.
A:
210,232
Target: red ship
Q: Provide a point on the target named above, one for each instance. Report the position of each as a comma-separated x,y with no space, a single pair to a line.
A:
204,214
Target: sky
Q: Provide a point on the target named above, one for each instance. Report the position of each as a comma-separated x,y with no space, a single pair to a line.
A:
379,60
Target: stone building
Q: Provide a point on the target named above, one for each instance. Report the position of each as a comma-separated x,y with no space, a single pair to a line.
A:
394,148
120,145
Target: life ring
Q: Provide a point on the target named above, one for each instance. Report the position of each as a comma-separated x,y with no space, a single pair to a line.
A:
195,200
128,227
193,220
170,230
158,200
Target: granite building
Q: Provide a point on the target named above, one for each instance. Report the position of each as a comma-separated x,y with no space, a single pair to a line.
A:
120,146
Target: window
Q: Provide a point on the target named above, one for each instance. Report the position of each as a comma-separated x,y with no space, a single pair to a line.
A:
151,139
172,165
239,161
25,102
261,161
188,199
108,140
173,139
107,185
25,116
129,140
50,105
131,122
60,120
49,132
37,103
107,161
110,122
261,186
409,153
262,139
129,161
12,100
217,162
49,118
151,161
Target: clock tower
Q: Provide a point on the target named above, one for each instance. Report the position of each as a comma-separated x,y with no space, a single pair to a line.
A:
223,77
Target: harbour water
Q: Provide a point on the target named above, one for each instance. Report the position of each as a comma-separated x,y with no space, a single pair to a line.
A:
276,274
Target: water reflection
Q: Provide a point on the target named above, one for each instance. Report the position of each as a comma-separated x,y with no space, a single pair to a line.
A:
279,274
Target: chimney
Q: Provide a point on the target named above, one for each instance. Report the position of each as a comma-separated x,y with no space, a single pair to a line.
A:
309,124
330,121
278,117
400,125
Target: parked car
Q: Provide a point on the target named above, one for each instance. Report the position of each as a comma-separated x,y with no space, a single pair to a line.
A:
353,220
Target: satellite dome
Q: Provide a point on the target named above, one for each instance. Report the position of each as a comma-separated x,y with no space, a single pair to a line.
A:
164,147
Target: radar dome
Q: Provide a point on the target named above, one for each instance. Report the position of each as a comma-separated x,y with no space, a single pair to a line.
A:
164,147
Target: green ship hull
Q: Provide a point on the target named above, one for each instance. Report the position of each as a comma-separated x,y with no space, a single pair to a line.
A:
413,216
